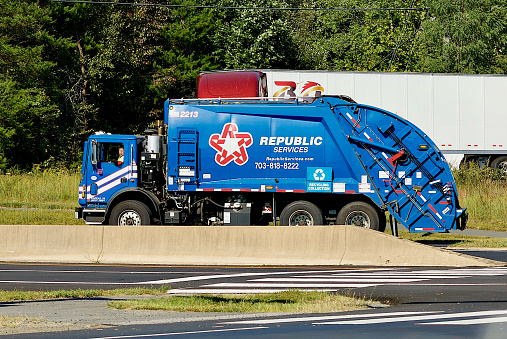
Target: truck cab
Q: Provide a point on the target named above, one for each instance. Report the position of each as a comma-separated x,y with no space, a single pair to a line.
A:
109,168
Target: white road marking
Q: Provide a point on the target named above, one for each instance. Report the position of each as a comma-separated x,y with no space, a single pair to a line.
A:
320,318
470,321
337,279
449,284
386,276
163,281
220,276
232,291
181,333
333,279
362,278
414,318
68,282
290,285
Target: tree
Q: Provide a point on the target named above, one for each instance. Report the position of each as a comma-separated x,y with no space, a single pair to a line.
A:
183,50
28,115
464,36
254,38
357,40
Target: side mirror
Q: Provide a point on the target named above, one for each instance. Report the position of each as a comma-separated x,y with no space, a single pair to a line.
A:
93,155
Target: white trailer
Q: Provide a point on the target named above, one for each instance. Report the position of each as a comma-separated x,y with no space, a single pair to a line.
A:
463,113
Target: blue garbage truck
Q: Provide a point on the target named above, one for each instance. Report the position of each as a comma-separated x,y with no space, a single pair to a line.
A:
314,161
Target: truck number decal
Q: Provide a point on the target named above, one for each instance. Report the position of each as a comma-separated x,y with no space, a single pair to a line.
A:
189,114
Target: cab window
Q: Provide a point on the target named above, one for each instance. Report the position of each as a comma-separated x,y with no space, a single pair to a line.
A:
111,152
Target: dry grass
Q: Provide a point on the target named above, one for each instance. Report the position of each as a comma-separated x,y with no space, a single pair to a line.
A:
17,295
12,322
483,192
50,198
453,240
288,301
39,199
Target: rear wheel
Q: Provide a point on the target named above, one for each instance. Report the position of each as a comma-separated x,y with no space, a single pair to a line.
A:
130,213
301,213
359,213
500,163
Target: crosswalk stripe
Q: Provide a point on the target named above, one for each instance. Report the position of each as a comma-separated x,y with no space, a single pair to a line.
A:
413,318
291,285
218,276
334,280
387,276
233,291
307,279
469,321
321,318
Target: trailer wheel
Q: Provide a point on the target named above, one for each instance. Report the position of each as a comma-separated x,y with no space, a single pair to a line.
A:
359,213
301,213
500,163
130,213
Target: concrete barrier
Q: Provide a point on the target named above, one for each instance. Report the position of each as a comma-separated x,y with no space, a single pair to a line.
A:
221,245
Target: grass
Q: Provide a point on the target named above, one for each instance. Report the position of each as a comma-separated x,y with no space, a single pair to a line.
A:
13,322
292,301
452,240
49,198
39,199
287,301
18,295
44,191
484,192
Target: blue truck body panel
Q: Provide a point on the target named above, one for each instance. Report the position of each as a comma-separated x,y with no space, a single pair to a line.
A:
329,146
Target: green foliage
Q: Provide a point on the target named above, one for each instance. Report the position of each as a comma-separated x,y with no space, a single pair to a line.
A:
184,50
67,70
357,40
27,112
484,192
464,36
250,38
26,119
470,174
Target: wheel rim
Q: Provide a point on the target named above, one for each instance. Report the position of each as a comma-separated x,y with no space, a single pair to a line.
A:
503,167
129,218
300,218
358,218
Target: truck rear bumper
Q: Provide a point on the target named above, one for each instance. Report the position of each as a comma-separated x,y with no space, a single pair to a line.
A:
461,221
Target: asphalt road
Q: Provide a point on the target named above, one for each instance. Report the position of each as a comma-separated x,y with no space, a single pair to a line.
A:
428,301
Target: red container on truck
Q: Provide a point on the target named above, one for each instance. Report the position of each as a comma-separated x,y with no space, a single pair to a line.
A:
232,84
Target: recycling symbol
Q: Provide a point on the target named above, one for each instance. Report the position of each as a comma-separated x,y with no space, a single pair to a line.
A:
319,174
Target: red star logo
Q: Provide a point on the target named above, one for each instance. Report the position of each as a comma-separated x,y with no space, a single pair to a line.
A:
231,145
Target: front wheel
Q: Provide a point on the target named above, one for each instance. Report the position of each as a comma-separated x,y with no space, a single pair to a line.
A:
359,213
130,213
301,213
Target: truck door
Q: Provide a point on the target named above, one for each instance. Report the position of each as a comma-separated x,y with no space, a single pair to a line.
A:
111,168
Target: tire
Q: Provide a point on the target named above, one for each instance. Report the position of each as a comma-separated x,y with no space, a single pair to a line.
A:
500,163
301,213
130,213
361,214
